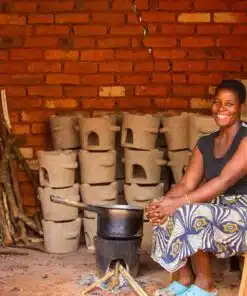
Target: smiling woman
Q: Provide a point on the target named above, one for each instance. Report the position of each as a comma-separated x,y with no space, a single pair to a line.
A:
206,211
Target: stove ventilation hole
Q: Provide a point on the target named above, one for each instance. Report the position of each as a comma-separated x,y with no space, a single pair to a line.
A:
138,172
93,139
45,175
129,136
114,262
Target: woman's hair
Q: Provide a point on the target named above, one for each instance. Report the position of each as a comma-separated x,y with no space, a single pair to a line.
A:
235,86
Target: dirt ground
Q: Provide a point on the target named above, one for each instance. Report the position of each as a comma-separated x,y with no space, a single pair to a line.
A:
41,274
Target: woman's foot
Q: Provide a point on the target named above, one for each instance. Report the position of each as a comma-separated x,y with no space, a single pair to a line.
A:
205,285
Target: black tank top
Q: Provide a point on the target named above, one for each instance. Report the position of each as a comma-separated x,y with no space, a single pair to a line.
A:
213,166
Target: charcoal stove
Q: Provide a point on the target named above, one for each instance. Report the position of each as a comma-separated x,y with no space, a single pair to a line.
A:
110,251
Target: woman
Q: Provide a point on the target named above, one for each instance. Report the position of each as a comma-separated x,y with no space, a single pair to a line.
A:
206,211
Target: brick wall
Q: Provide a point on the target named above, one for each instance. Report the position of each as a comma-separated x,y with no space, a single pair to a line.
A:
61,55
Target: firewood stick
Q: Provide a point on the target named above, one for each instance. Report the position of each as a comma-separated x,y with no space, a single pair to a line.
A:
98,282
30,223
7,214
138,289
7,239
7,251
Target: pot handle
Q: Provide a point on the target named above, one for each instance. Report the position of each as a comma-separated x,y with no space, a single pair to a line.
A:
71,166
76,204
115,128
152,130
57,128
161,162
108,163
147,198
164,130
71,235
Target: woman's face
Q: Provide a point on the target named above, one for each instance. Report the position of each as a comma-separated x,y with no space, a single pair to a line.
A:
226,108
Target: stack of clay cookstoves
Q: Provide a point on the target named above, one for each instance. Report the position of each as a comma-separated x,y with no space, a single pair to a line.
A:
97,168
143,163
61,224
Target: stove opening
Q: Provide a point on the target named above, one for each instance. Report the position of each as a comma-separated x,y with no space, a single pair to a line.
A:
93,139
129,136
114,262
138,172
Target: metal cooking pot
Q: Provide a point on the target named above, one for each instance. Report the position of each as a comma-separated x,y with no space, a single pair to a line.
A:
115,221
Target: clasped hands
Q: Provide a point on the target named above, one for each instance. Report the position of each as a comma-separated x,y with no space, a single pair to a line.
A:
159,210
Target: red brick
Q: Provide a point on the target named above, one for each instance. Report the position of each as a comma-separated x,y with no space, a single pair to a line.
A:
97,5
193,17
235,54
205,78
178,29
139,54
224,66
161,66
55,6
55,30
15,91
239,5
39,128
14,117
26,54
62,79
179,78
142,4
21,129
45,42
97,55
151,90
115,66
4,79
169,54
72,18
125,5
12,19
136,41
108,18
27,78
41,19
143,67
158,16
211,5
13,67
230,41
159,41
197,41
81,91
206,53
126,30
23,6
240,29
36,140
132,79
56,54
83,42
24,102
22,176
36,116
11,30
4,55
27,192
170,103
161,78
45,91
100,104
97,79
134,103
189,66
29,210
117,42
170,5
64,103
90,30
188,90
213,29
80,67
230,17
42,66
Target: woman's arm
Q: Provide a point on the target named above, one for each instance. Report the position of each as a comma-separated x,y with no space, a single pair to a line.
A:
191,178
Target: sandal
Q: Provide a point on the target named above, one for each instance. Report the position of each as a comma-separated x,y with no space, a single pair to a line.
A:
174,289
197,291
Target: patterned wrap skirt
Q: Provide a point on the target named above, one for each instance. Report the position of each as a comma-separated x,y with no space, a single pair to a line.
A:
219,227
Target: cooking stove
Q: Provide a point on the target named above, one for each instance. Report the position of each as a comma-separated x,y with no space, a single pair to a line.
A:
123,250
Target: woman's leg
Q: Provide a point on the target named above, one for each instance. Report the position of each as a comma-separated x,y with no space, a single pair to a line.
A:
185,275
204,278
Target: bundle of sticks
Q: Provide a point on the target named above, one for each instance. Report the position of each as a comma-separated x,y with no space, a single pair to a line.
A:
14,224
